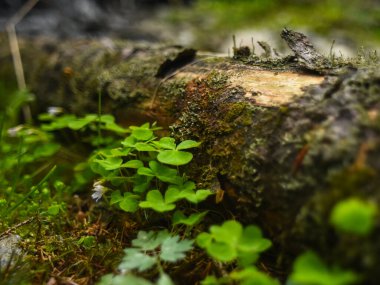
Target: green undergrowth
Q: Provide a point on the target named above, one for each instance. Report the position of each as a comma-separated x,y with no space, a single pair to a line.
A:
95,202
355,22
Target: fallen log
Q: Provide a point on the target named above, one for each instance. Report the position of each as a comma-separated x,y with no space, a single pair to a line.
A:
283,142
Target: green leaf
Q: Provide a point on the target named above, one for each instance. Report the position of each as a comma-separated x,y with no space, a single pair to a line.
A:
129,203
80,123
204,240
53,210
116,197
192,220
222,251
150,240
145,171
144,147
164,279
135,259
229,232
172,249
129,141
110,163
195,197
155,201
187,144
354,216
142,133
119,152
252,276
134,163
252,240
141,183
172,195
308,269
164,173
174,157
166,143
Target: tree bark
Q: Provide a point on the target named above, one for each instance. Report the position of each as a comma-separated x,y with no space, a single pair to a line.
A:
282,143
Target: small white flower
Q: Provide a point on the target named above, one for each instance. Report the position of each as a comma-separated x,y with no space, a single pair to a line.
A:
99,190
54,111
12,132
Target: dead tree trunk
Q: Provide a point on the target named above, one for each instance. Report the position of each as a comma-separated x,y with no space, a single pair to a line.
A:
285,145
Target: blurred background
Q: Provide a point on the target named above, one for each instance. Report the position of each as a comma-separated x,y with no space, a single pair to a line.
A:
206,24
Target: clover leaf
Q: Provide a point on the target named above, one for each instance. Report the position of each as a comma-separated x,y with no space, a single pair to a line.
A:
166,143
309,269
142,133
174,157
188,144
354,216
155,201
110,163
162,172
180,218
231,241
80,123
134,163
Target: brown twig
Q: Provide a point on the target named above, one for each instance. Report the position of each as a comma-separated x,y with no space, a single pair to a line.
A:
15,49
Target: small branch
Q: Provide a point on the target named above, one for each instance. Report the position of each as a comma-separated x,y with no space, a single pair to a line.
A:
15,50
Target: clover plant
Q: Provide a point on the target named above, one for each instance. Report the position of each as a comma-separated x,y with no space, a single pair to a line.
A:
354,216
231,241
309,269
142,169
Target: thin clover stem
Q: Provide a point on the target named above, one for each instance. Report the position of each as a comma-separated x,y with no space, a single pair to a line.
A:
99,115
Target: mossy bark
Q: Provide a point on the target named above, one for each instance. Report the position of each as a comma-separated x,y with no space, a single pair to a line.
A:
282,145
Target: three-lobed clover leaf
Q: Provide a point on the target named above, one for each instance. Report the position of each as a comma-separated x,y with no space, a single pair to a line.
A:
177,156
309,269
187,191
155,201
231,241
